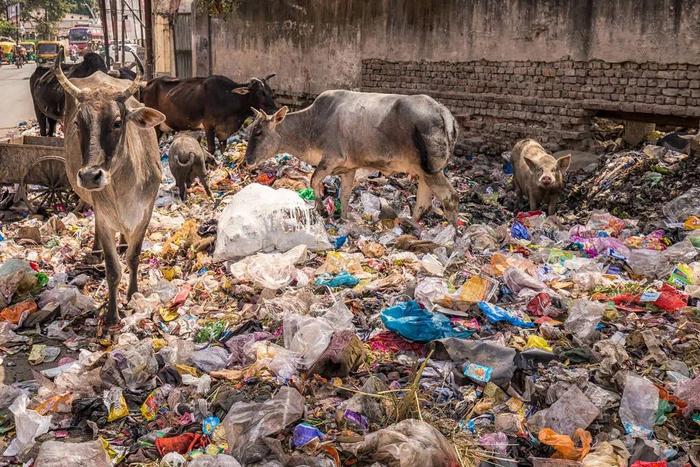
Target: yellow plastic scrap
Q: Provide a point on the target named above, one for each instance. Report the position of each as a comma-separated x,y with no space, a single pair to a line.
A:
692,223
537,342
188,370
183,238
168,314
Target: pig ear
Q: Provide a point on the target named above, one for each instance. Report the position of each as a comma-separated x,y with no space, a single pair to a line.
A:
280,114
146,117
564,162
532,165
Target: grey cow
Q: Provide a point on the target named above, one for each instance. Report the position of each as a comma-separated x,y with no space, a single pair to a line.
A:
112,162
342,131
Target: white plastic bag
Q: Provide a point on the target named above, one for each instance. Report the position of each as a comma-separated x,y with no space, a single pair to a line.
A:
260,218
271,270
28,424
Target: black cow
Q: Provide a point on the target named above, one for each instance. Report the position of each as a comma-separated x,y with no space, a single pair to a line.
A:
48,96
217,104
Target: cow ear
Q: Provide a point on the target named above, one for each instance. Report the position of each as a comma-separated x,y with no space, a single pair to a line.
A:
146,117
280,114
242,90
564,162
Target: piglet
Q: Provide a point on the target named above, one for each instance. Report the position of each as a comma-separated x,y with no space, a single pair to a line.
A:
537,175
189,160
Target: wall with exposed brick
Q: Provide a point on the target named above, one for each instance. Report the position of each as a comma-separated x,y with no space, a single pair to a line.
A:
500,102
506,68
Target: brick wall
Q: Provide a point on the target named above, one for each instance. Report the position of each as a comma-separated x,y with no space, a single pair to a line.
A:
499,102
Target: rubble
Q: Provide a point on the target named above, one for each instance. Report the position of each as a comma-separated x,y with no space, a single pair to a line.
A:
266,334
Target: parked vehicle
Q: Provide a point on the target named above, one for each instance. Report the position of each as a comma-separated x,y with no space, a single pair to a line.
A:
7,49
46,51
85,38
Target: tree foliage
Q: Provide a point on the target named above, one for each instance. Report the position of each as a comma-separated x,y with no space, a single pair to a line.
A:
44,13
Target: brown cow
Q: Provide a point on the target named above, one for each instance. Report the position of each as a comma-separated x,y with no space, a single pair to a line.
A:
112,162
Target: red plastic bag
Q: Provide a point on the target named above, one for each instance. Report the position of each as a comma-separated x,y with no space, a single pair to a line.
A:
671,299
539,304
181,444
650,464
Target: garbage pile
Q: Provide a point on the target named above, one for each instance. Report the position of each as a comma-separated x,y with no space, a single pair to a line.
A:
265,334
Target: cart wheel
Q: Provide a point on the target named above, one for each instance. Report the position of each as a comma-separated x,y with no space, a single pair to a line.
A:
54,193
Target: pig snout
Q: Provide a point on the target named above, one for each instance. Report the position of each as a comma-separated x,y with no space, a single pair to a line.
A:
546,180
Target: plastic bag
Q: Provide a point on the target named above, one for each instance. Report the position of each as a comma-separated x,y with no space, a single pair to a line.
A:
270,270
343,279
70,299
247,423
647,263
408,443
210,358
416,324
683,206
430,290
58,454
517,280
28,425
638,406
490,354
260,218
116,404
607,454
583,318
480,238
131,366
564,446
16,275
496,314
572,411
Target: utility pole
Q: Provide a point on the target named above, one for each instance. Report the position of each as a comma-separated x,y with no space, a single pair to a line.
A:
105,32
115,28
149,38
123,32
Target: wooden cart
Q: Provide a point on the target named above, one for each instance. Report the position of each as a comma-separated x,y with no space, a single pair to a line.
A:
35,166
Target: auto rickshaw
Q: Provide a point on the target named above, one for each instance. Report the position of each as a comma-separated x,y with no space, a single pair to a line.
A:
7,49
46,51
30,47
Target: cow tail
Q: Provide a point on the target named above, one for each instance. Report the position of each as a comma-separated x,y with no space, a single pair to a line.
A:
189,161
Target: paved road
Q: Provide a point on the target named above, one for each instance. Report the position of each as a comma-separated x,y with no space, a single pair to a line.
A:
15,99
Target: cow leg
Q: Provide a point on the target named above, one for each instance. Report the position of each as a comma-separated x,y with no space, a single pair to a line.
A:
52,126
423,198
132,260
346,182
205,183
322,171
122,247
211,143
443,190
112,268
96,247
182,188
41,119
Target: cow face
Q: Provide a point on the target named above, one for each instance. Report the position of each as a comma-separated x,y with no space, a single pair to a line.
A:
260,94
101,125
263,139
101,122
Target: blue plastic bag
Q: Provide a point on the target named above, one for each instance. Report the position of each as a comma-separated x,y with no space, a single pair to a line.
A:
344,279
304,434
496,314
518,230
416,324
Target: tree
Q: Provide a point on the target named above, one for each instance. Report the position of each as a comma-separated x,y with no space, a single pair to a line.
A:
44,13
7,29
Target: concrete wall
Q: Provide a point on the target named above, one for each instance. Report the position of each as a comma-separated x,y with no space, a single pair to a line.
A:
314,45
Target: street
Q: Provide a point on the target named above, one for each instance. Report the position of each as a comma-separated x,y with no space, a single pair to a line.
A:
15,98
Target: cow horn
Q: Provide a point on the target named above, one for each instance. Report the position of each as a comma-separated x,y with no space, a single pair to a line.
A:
256,112
131,90
138,61
65,83
269,76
